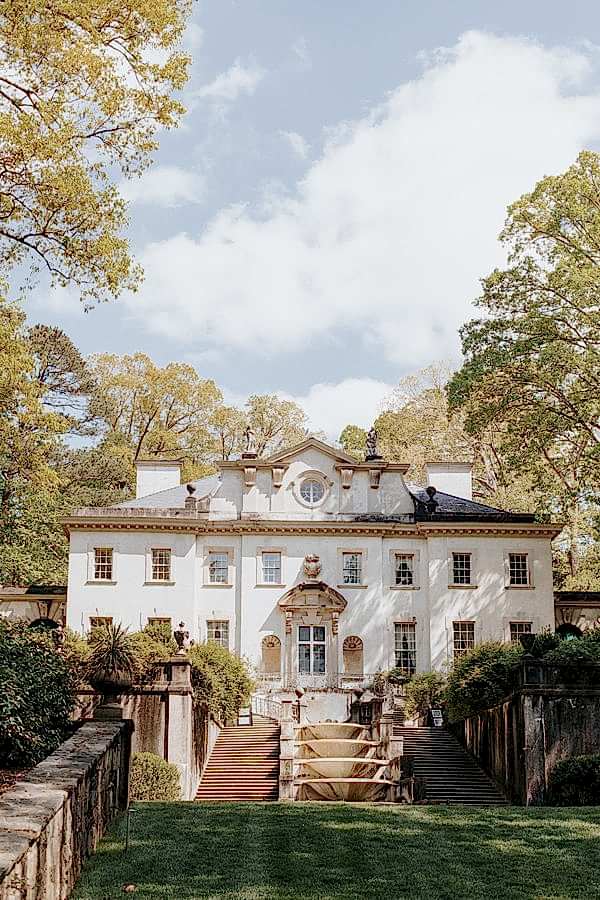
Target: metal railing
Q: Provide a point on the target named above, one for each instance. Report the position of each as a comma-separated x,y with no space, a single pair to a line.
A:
326,681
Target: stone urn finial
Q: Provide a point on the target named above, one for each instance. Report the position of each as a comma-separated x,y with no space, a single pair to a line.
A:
312,567
182,639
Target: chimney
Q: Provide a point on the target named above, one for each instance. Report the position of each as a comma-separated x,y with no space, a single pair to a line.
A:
153,475
451,478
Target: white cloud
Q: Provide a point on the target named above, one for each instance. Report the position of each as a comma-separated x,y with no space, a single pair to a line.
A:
386,237
298,144
354,401
239,79
302,53
165,186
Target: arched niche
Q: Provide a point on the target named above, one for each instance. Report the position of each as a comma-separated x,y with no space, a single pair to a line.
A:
567,631
352,650
271,655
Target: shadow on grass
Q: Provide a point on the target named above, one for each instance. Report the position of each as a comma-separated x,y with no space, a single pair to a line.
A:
331,851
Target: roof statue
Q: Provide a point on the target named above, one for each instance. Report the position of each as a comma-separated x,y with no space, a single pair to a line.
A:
372,450
249,442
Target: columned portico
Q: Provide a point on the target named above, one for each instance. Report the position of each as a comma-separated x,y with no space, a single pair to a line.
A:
311,613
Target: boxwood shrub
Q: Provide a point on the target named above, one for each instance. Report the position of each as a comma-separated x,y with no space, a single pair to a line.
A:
36,695
481,678
576,781
152,778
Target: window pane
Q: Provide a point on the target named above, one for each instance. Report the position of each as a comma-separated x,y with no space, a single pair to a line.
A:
518,569
406,646
304,659
218,633
218,568
404,569
103,563
312,490
304,633
461,568
100,621
319,659
271,563
161,565
352,564
464,637
318,633
519,628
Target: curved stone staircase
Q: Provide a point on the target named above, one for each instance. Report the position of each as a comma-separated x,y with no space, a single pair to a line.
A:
244,764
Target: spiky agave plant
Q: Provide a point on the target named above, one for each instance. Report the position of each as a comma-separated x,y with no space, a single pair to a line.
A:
112,658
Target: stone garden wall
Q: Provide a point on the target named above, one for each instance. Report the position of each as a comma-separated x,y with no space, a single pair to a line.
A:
554,714
53,819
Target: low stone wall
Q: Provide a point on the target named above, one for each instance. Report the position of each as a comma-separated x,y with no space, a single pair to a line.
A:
52,820
554,714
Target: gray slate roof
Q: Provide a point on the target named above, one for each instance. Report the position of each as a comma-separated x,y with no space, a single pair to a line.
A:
172,498
457,507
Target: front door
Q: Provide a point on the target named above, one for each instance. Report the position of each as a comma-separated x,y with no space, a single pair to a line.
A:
311,649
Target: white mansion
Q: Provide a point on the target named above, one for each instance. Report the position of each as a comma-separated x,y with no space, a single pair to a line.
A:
316,567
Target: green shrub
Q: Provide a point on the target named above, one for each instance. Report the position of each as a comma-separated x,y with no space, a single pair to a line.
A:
36,695
423,692
576,781
151,646
152,778
220,679
482,678
572,654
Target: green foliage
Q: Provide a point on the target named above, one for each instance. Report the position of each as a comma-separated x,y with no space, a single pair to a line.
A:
576,781
36,695
221,680
152,778
423,692
353,440
112,653
151,646
481,678
572,654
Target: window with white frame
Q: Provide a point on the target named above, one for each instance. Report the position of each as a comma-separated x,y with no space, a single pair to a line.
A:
405,647
461,568
100,621
161,564
518,569
463,638
103,563
312,491
271,567
311,649
162,622
519,628
217,632
352,568
218,567
404,569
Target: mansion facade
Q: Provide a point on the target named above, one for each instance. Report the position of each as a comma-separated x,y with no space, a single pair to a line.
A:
319,569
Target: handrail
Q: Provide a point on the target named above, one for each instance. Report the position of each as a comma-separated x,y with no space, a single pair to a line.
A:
267,708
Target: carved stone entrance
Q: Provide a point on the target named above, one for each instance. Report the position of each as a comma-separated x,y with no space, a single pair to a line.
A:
312,603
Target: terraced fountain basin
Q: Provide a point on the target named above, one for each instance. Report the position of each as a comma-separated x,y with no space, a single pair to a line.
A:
352,790
335,748
340,767
331,730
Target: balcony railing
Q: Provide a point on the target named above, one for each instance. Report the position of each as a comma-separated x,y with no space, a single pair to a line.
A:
327,681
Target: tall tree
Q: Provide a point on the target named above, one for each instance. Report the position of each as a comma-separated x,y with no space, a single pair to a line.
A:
276,423
84,87
353,440
61,374
532,361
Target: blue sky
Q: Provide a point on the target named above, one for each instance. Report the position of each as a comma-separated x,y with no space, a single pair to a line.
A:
318,224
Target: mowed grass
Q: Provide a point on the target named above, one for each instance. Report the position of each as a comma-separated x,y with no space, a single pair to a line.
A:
326,851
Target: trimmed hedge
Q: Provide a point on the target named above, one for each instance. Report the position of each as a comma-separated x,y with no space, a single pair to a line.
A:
36,695
221,680
423,692
482,678
576,781
152,778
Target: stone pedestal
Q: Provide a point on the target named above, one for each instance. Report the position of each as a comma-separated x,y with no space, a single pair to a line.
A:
286,752
179,723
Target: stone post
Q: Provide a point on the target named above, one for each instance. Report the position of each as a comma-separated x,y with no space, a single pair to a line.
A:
179,714
286,752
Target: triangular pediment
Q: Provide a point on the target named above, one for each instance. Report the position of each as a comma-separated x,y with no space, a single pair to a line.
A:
311,443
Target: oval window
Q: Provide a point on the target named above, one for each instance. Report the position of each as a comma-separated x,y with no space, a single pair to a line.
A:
312,490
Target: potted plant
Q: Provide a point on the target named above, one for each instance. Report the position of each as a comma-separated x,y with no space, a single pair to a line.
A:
112,662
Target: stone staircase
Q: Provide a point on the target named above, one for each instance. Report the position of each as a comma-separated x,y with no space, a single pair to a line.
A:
244,764
451,775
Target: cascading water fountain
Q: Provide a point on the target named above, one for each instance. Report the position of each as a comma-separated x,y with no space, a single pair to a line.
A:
345,761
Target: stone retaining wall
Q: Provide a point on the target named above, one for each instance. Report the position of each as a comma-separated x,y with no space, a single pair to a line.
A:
52,820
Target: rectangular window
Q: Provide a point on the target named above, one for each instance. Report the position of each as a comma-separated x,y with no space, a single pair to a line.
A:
160,621
271,567
161,564
405,647
518,569
464,637
311,649
103,563
405,569
352,568
218,568
461,568
100,621
218,633
519,628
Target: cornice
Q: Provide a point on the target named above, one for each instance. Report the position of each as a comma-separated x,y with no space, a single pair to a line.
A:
192,525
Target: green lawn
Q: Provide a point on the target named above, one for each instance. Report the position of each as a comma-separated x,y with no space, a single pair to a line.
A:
328,851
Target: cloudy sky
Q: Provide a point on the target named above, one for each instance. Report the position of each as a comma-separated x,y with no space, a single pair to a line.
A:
318,224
